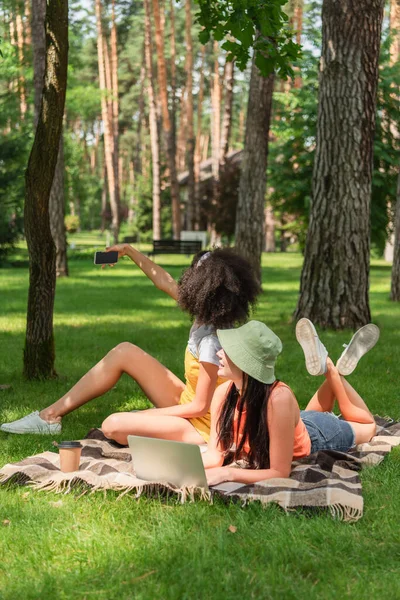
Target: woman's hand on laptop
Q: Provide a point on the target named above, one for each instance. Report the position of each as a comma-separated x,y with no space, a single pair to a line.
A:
217,475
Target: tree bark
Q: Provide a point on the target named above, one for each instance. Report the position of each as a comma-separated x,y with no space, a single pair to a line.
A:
39,351
154,139
39,52
21,78
167,122
335,275
115,104
197,150
108,127
189,117
57,197
392,245
57,214
227,114
395,287
249,231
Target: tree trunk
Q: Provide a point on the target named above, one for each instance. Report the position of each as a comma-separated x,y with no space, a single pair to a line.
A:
57,214
269,229
39,52
115,105
167,123
197,150
39,351
108,127
253,178
21,78
57,197
215,117
28,19
395,287
335,276
154,139
227,114
189,117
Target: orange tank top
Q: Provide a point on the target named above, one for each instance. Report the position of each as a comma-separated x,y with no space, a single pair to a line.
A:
302,442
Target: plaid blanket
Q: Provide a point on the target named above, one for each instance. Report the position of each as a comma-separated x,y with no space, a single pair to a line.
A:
326,479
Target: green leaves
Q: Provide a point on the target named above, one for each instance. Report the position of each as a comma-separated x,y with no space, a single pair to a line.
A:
251,25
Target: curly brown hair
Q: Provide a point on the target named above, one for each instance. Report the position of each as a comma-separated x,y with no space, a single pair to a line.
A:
220,289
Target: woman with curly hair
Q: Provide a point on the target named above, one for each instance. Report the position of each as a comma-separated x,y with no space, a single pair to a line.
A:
217,291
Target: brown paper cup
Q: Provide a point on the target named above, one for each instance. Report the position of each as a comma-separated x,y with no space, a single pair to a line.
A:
70,456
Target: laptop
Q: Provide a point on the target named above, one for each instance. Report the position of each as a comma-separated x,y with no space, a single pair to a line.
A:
166,461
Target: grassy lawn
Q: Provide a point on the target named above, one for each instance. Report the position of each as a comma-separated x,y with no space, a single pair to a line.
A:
99,546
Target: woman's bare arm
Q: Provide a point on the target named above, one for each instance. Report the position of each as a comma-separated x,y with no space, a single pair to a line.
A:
214,457
281,425
159,276
200,405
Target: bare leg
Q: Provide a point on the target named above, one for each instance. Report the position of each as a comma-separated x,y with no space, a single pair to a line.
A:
159,384
323,399
147,423
351,405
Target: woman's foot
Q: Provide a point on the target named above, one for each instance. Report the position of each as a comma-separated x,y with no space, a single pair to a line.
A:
362,341
314,351
32,423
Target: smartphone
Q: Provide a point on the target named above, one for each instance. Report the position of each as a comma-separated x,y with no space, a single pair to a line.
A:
105,258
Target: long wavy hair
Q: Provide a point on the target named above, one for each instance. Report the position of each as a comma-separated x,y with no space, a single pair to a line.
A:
254,400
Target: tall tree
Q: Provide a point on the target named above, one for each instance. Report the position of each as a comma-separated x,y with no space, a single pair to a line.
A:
57,198
154,139
395,58
335,275
190,142
249,231
107,117
167,121
39,351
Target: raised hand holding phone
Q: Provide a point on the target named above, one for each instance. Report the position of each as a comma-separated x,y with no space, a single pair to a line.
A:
111,255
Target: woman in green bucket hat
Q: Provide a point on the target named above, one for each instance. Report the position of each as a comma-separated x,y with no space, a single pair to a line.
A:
256,419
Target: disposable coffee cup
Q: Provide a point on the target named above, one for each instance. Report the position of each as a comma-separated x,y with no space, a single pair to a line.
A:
70,456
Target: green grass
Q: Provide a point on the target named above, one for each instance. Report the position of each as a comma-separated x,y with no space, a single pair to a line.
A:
58,546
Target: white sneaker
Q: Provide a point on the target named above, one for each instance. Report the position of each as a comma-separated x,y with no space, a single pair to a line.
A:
314,351
32,423
363,340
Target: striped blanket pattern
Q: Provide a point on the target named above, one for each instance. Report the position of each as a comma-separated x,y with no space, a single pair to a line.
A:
325,480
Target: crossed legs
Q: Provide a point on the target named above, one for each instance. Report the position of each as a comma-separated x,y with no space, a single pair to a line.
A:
351,405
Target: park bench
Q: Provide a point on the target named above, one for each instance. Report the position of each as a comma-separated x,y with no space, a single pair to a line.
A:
187,247
130,239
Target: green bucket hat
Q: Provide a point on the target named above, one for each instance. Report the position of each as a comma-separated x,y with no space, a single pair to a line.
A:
253,348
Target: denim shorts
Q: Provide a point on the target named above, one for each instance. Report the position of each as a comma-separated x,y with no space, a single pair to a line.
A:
327,431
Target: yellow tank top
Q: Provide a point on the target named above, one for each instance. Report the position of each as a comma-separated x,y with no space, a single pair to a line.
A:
192,366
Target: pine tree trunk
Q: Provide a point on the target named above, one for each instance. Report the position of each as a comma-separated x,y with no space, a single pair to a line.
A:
108,125
395,287
39,351
189,116
57,214
167,122
227,114
249,232
393,244
28,20
115,106
154,139
21,78
335,276
197,150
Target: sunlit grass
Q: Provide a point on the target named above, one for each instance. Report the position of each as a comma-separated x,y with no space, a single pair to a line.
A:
99,546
